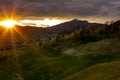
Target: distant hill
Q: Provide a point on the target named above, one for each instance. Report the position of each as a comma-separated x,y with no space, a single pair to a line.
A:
67,59
24,35
72,25
96,61
50,32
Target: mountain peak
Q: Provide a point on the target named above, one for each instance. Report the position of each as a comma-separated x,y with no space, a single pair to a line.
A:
75,20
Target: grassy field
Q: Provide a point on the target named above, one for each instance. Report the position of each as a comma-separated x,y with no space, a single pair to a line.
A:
91,61
103,71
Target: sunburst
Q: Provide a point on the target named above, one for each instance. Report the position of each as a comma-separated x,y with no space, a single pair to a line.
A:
9,23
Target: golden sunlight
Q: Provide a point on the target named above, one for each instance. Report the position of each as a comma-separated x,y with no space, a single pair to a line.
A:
8,23
51,22
41,23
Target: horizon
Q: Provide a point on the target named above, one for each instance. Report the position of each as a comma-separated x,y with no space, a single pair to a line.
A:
47,22
50,13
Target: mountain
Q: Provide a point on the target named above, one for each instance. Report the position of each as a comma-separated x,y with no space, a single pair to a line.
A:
51,32
67,59
24,35
72,25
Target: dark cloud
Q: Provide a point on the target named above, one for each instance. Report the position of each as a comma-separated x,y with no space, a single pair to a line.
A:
66,8
6,2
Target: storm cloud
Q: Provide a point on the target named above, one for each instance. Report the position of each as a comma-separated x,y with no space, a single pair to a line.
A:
65,8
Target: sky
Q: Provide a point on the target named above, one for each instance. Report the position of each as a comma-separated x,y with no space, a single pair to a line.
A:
52,12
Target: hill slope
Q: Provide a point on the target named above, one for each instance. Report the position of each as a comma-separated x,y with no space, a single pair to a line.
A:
45,63
104,71
36,35
66,58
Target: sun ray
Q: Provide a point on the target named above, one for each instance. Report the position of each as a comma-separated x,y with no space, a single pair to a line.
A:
43,56
4,12
8,23
26,39
13,12
21,35
4,35
18,65
11,31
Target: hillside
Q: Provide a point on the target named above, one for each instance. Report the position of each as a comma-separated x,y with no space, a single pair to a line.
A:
37,62
76,56
104,71
24,35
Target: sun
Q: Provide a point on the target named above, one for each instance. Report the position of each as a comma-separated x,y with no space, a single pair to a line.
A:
8,23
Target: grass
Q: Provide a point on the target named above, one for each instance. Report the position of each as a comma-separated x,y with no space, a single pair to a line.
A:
99,61
103,71
34,63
